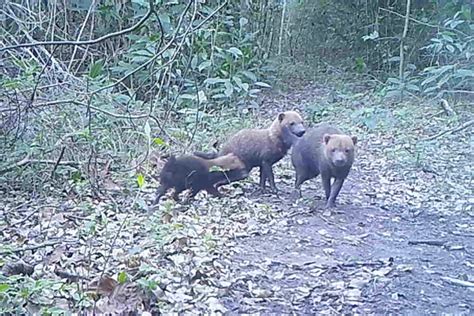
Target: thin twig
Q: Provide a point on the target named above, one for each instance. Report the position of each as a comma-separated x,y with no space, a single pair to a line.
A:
27,161
115,115
92,5
427,242
32,213
459,91
151,60
89,42
458,282
50,58
401,69
423,23
450,131
46,244
447,109
58,161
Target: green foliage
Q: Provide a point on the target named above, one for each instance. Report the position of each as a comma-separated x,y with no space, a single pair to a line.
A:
130,93
448,57
18,291
365,37
140,180
372,118
396,87
452,51
96,69
122,277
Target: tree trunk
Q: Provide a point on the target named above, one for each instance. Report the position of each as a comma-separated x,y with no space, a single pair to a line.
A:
402,44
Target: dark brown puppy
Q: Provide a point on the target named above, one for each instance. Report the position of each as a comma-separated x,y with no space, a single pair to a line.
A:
324,150
262,147
195,173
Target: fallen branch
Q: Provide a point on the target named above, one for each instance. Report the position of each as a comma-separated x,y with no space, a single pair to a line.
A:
450,131
350,264
69,276
27,161
33,213
46,244
447,108
462,234
427,242
20,163
458,282
459,91
377,263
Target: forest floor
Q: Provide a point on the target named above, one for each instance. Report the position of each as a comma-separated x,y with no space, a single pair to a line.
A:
400,241
375,253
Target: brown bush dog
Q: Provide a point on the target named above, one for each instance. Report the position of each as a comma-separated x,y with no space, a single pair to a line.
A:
191,172
262,147
324,150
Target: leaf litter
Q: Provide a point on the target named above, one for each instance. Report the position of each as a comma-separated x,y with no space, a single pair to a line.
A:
248,253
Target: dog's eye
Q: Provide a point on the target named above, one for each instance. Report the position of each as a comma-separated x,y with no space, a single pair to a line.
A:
333,150
292,123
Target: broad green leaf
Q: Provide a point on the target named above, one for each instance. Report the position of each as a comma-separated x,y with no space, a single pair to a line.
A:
394,80
235,51
243,21
96,69
263,84
412,87
371,36
188,96
431,89
429,80
214,80
229,88
250,75
202,97
122,277
147,130
140,180
444,80
442,69
143,52
165,22
394,59
219,96
194,62
391,94
254,91
158,141
447,37
462,73
4,287
204,65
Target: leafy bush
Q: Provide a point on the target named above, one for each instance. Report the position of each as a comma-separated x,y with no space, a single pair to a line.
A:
451,52
87,105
